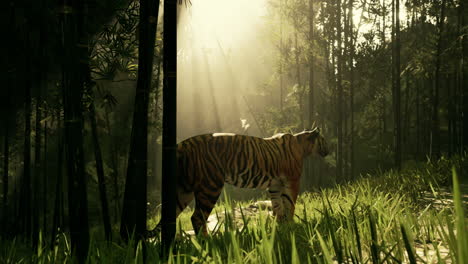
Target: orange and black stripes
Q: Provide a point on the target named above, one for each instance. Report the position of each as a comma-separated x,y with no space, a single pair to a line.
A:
207,162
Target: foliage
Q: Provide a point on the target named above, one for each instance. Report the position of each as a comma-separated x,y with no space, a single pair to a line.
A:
370,72
381,219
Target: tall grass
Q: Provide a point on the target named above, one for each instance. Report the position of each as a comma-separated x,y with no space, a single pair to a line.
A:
376,219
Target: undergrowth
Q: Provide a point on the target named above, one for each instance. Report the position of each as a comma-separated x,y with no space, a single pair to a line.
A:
375,219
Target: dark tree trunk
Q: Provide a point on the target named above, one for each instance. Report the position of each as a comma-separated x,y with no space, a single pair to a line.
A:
344,69
100,171
57,220
459,84
42,93
134,205
451,118
464,77
45,183
25,203
309,169
6,162
74,72
155,163
311,65
418,118
281,62
11,71
383,105
407,115
115,167
169,163
435,103
298,79
37,170
351,88
397,85
340,92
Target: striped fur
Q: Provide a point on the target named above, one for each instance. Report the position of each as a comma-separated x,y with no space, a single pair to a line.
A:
207,162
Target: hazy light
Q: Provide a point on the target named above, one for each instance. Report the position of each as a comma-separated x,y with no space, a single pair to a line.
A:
366,23
224,55
219,62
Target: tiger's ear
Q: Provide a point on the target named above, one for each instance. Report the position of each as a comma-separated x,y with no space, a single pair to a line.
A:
313,135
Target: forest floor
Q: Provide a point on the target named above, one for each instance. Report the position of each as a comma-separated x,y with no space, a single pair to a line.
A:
444,197
441,199
412,216
426,252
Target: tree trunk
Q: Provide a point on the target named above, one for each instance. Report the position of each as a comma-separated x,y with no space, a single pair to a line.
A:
464,77
308,166
459,83
169,163
418,119
281,60
100,171
134,205
6,161
451,118
45,193
397,110
115,168
57,220
406,118
155,163
298,79
351,88
43,75
25,203
74,72
311,65
37,170
436,151
98,158
340,92
383,102
396,82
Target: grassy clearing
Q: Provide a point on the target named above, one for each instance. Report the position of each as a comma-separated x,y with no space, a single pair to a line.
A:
380,219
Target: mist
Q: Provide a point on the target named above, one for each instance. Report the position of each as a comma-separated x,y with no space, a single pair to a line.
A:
222,59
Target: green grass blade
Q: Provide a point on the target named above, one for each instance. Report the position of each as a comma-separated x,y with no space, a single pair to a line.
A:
461,236
409,249
325,250
373,246
357,236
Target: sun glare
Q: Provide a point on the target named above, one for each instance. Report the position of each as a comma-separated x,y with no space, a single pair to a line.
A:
225,20
216,40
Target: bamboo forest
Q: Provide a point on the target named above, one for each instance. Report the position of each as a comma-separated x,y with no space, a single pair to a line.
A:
234,131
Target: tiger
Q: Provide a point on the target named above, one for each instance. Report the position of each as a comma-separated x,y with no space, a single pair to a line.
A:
206,162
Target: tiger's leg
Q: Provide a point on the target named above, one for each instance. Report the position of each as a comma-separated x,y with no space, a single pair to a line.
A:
184,198
275,191
289,198
205,200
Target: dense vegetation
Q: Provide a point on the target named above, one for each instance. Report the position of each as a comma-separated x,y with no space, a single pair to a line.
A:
82,138
383,218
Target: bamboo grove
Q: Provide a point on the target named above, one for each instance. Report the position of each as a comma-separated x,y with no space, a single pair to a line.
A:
385,79
83,85
52,71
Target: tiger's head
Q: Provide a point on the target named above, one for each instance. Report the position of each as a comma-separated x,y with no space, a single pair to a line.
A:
313,142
